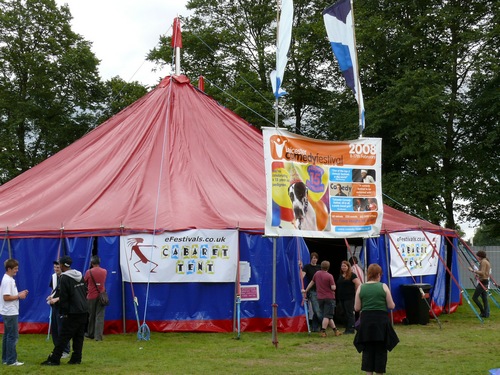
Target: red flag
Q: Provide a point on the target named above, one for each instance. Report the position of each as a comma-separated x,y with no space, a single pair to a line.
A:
176,33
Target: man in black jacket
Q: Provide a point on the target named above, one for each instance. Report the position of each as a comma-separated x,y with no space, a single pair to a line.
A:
73,310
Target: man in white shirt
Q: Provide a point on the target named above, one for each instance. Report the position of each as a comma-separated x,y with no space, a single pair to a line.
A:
366,177
9,309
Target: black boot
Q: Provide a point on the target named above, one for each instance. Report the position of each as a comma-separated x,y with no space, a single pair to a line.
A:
50,362
74,360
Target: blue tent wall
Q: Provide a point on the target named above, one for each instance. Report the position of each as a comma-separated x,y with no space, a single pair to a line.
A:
170,306
378,252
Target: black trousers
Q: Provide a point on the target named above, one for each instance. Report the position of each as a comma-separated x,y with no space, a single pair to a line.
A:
73,328
374,358
481,292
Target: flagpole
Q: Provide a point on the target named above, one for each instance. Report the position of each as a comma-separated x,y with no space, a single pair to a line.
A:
283,39
276,103
177,44
358,83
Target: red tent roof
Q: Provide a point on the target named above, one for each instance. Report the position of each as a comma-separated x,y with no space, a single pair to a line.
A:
210,161
396,221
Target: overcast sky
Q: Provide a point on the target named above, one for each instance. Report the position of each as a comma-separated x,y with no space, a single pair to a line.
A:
123,31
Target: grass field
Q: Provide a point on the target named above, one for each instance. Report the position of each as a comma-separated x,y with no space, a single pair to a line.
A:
462,346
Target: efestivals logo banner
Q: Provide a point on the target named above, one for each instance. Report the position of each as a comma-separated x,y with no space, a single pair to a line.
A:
179,257
413,255
322,189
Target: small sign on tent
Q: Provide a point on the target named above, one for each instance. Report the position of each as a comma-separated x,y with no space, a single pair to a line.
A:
412,254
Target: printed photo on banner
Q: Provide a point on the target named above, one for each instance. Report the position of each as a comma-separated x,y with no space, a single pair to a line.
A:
188,256
413,255
322,189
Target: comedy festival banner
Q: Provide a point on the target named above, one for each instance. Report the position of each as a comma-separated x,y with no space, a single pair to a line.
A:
412,254
195,255
321,188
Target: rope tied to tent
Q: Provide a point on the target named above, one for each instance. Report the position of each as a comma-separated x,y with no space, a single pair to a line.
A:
144,332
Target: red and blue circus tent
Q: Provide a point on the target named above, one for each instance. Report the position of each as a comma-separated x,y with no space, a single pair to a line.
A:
174,160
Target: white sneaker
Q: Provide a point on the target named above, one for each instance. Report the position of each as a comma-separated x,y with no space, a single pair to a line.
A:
16,363
65,355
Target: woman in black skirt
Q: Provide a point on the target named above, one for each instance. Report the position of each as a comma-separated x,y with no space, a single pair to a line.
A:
375,336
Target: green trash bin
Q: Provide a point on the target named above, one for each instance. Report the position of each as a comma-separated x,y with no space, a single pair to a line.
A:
416,304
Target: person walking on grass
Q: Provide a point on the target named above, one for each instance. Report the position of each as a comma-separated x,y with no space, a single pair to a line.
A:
310,269
9,309
375,334
325,289
73,309
482,275
53,301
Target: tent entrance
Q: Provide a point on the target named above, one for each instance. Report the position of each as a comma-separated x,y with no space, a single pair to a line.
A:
332,250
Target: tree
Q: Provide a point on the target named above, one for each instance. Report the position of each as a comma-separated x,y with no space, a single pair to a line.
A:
49,84
487,235
232,44
429,72
118,95
419,60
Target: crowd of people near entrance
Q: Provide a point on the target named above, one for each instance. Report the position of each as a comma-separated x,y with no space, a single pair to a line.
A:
364,305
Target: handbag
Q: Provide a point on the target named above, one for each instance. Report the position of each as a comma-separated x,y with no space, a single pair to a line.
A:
357,323
103,296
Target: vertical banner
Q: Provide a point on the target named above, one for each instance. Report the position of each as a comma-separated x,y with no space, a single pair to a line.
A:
282,46
413,255
322,189
339,23
197,255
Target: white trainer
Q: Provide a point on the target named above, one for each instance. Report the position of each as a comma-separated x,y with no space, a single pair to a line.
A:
16,363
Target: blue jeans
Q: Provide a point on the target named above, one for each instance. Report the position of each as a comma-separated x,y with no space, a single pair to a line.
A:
317,317
10,338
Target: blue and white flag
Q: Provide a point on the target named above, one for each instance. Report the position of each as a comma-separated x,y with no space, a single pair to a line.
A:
284,38
339,23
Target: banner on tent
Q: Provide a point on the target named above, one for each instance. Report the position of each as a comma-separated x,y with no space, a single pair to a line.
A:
322,189
180,257
412,254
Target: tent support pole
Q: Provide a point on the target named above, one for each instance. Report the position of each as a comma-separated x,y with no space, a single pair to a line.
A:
274,305
9,247
389,267
305,302
365,257
237,296
124,321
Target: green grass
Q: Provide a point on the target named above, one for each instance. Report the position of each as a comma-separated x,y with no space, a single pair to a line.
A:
462,346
